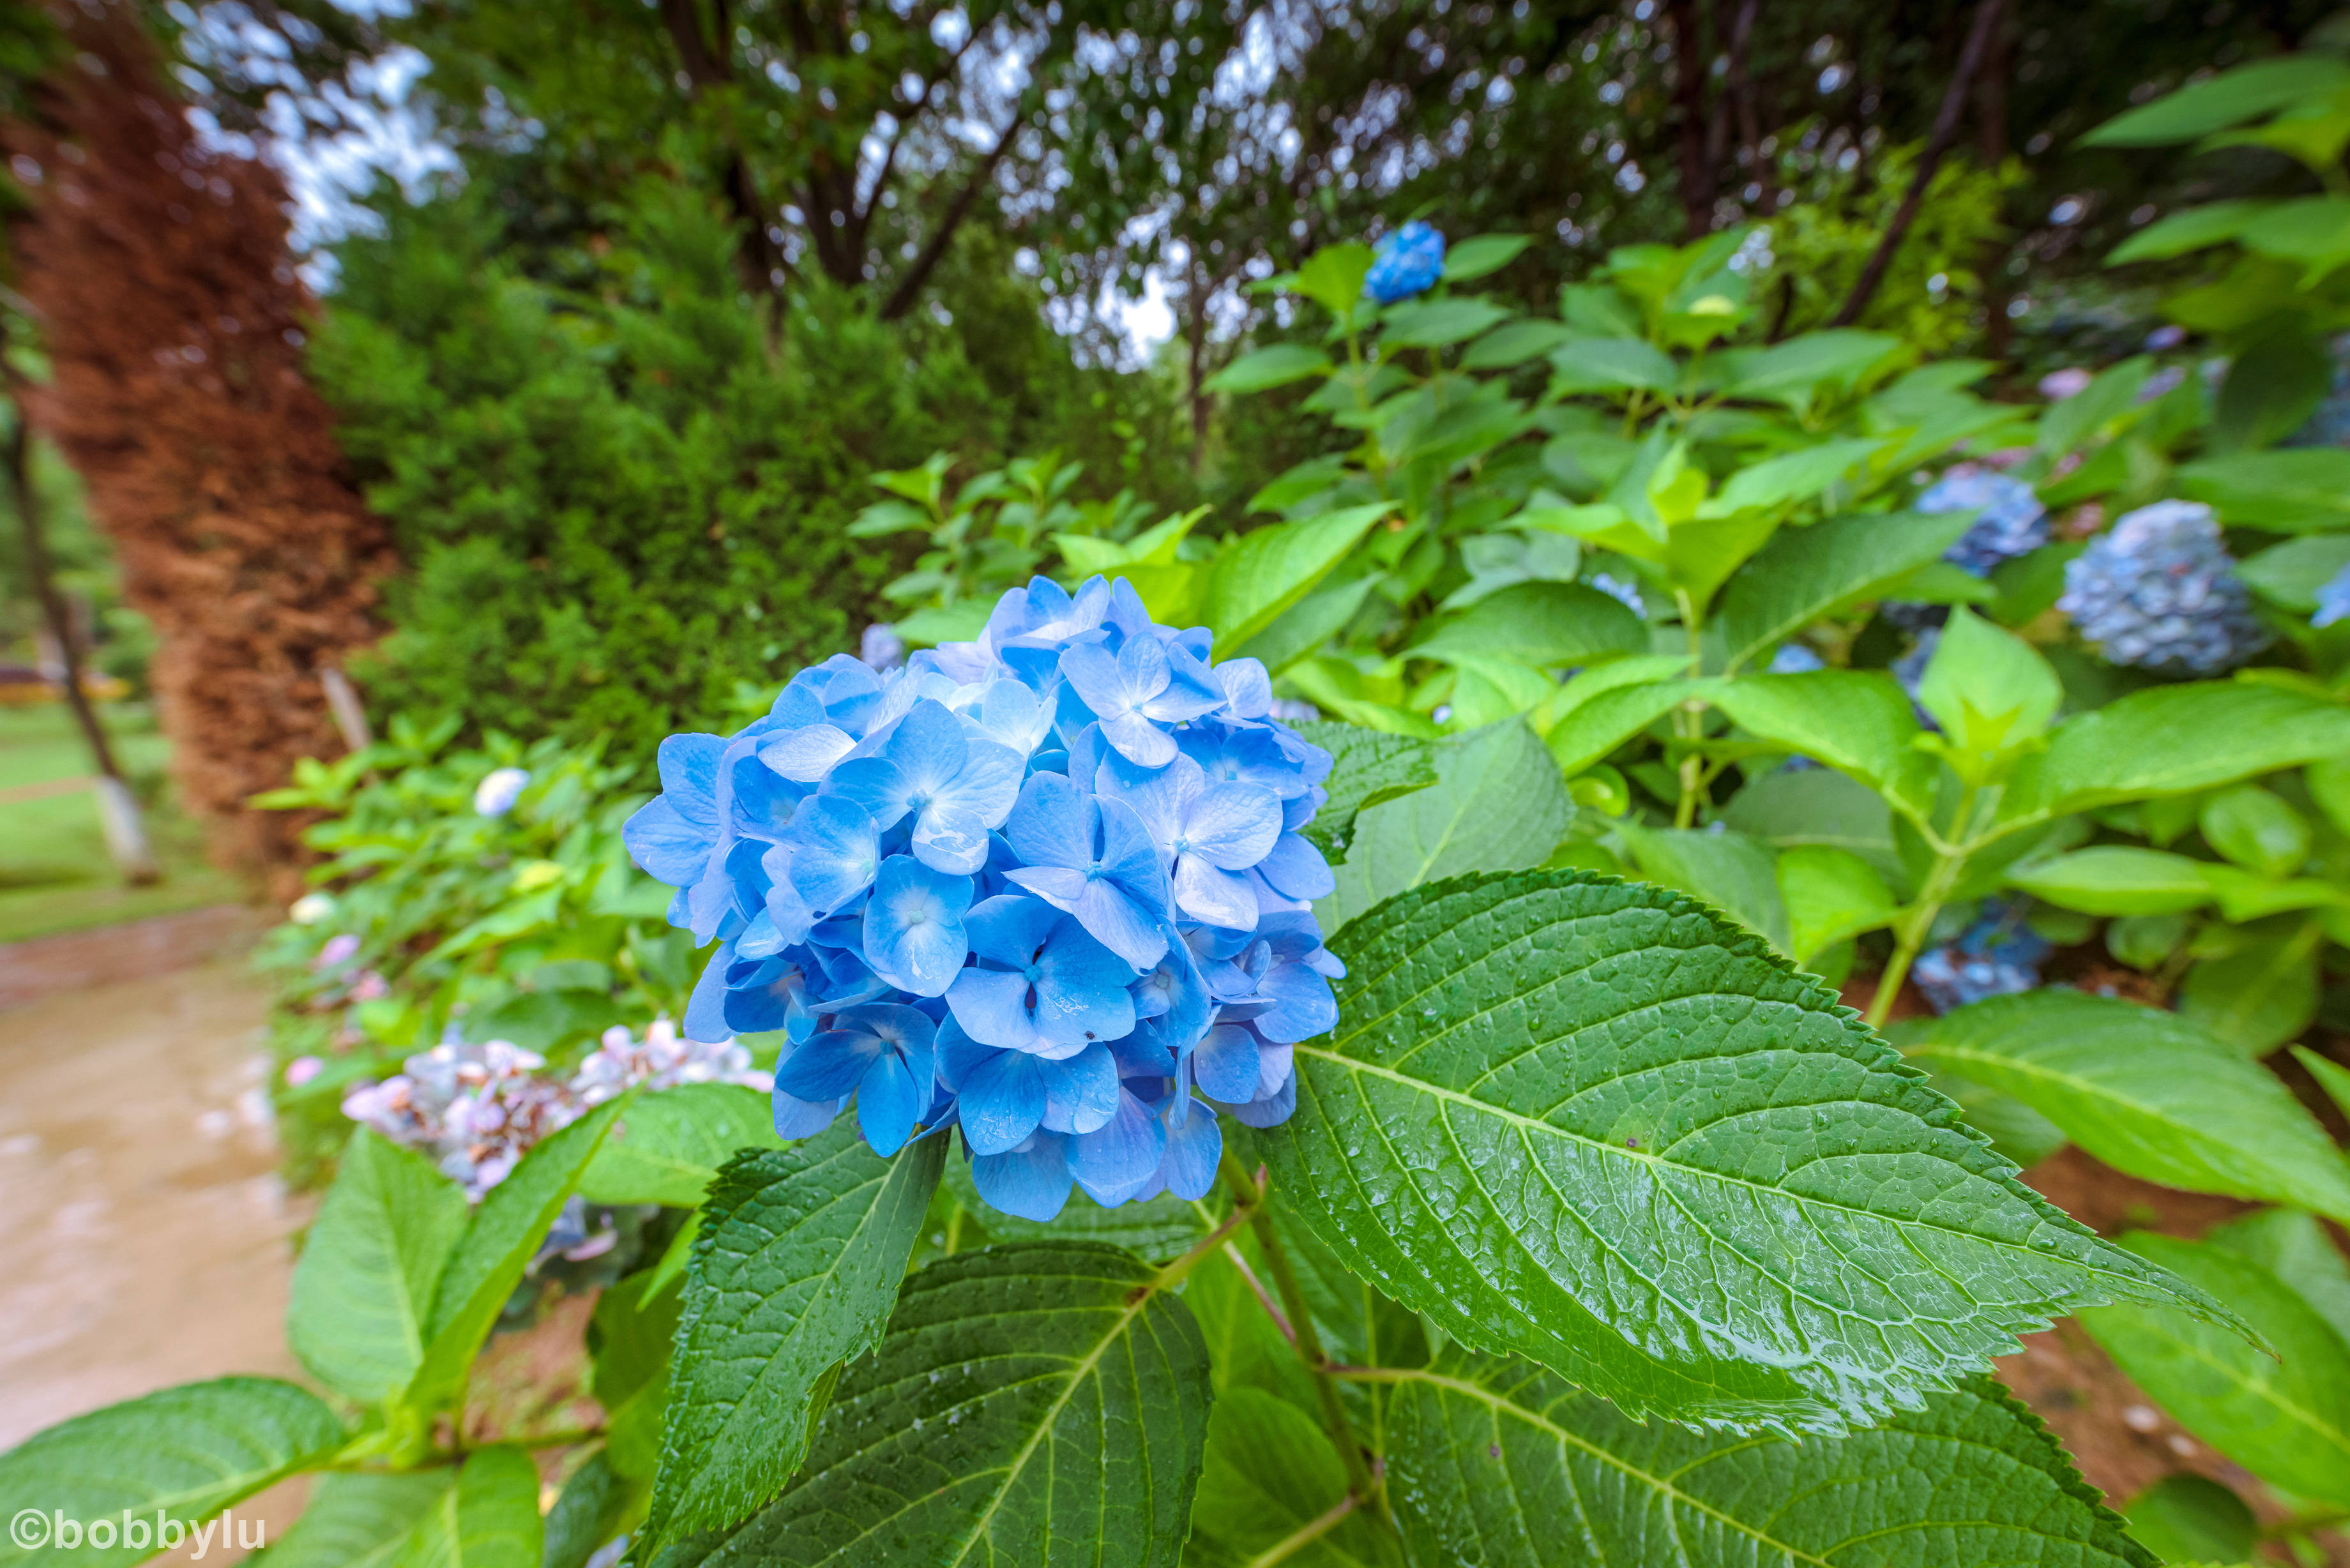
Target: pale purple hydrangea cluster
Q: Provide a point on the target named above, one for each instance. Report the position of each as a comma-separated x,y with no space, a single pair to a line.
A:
478,1109
1047,885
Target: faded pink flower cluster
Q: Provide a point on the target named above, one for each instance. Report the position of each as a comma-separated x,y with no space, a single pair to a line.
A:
478,1109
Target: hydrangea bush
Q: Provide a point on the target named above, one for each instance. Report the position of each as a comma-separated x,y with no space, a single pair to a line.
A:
1047,885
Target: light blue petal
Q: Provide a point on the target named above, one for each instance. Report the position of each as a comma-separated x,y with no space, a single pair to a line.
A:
950,839
1139,740
666,844
887,1102
827,1067
991,1007
1295,870
1056,885
1270,1112
876,784
795,1117
1080,991
1009,929
1032,1182
1303,1006
1080,1092
705,1010
1120,1157
914,934
1001,1101
928,746
1133,933
835,852
1052,824
1195,1146
1233,825
805,754
987,784
689,776
1217,897
1226,1064
1095,675
1130,858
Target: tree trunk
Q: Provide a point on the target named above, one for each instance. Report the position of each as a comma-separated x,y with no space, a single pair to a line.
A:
1688,99
760,259
157,274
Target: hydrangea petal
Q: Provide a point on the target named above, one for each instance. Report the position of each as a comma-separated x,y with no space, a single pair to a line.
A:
1001,1101
1031,1181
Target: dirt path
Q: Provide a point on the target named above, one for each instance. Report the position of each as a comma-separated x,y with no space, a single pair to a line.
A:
135,1149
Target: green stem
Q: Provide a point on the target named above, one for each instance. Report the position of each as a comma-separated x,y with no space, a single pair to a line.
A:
1688,719
1361,1485
1306,1535
1909,933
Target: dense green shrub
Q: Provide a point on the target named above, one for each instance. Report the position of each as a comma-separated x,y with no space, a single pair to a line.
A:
628,493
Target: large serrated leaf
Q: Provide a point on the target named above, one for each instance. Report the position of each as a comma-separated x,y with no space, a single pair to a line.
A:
488,1520
1367,767
1505,1466
361,1306
1272,1480
797,1265
1266,570
2151,1094
1805,573
497,1245
1032,1406
358,1518
669,1144
2285,1416
1587,1122
1498,804
184,1453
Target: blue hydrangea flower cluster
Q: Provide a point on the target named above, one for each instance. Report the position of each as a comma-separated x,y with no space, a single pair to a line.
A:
2009,519
1997,956
2158,591
1407,261
2010,522
1047,885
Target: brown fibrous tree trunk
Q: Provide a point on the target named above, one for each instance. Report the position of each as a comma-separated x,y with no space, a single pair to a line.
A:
161,283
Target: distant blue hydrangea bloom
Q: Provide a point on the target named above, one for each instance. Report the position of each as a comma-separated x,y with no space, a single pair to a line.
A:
2158,591
1047,885
1622,592
2333,599
1795,659
1408,261
2010,520
1996,956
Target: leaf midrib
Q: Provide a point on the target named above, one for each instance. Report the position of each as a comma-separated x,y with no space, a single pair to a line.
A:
1536,1125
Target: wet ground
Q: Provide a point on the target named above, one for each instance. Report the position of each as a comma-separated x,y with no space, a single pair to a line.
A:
150,1241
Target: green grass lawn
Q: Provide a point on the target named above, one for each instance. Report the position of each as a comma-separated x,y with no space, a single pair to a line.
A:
55,872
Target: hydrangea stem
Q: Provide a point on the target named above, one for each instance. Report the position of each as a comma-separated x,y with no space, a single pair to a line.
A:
1361,1484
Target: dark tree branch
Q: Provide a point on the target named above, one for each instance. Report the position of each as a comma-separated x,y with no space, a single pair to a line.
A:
901,298
1689,102
760,259
1946,129
863,223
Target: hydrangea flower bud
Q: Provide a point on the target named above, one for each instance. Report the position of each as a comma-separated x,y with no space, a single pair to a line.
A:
1623,593
1048,886
1997,956
499,789
2333,599
2158,591
1407,262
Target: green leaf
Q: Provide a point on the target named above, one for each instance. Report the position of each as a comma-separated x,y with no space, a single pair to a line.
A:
1367,768
1498,804
1799,475
2189,1518
488,1520
1437,323
2277,380
1333,277
1482,253
591,1511
2283,1415
2178,234
670,1143
2017,1131
2303,490
1990,690
1503,1465
2117,879
2229,98
1267,570
1730,872
1274,367
2130,749
1034,1404
2289,574
799,1263
1508,347
1271,1473
184,1453
1794,373
358,1518
1584,1121
2146,1091
1830,893
1540,626
935,624
2259,996
362,1295
2255,829
506,1232
2296,1249
1611,365
1856,722
1601,709
1807,573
